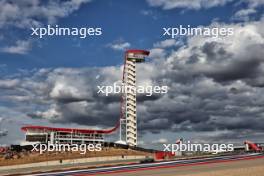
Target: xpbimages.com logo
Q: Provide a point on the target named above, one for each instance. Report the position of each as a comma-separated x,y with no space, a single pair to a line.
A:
82,32
116,89
195,147
214,32
82,148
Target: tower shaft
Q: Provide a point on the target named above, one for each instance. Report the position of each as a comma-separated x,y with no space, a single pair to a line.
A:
128,119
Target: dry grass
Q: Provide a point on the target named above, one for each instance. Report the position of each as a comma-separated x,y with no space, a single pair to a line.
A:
51,156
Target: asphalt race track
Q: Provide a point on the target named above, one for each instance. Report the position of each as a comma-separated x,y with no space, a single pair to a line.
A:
160,168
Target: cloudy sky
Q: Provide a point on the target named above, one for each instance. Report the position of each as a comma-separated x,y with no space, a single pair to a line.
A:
216,86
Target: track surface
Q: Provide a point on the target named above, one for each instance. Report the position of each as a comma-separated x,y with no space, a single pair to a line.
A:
155,166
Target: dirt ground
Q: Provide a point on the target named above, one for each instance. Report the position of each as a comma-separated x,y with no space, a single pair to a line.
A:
36,157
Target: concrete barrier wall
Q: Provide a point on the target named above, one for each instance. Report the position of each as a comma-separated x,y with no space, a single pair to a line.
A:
71,162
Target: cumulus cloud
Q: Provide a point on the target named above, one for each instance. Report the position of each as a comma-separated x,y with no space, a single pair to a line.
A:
188,4
8,83
21,15
72,95
159,49
119,45
247,10
157,53
28,13
244,14
160,141
215,86
21,47
236,57
247,13
255,3
167,43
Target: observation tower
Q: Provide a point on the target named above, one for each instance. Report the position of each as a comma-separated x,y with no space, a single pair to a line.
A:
128,112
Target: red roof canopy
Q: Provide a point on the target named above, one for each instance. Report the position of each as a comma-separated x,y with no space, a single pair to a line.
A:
71,130
144,52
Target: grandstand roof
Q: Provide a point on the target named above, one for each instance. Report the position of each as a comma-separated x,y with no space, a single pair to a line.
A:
71,130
